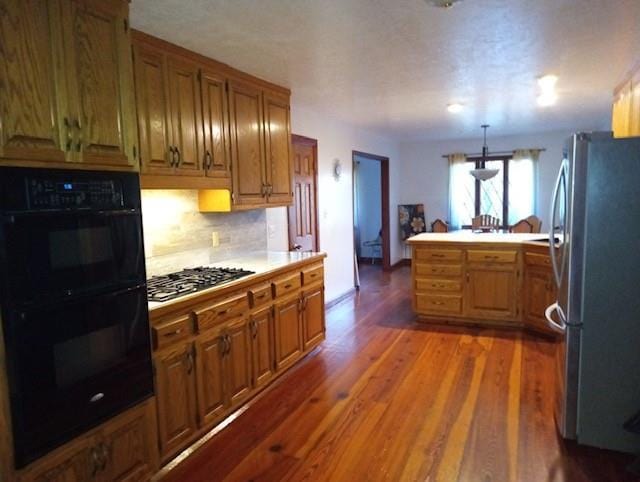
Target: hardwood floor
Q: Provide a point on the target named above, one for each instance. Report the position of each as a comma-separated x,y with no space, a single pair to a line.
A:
385,398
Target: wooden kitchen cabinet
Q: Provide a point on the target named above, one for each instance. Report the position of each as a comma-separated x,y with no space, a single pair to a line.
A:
77,109
238,362
176,394
625,115
31,113
124,449
216,129
313,327
247,144
278,160
210,350
262,346
100,80
288,331
491,292
185,114
539,293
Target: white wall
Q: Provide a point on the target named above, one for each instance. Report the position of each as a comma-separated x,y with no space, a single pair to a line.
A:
337,140
425,173
369,194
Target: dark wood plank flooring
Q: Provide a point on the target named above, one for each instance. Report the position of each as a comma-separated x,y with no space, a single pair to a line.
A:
386,398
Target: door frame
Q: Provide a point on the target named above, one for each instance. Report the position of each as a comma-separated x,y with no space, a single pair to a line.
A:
384,191
313,143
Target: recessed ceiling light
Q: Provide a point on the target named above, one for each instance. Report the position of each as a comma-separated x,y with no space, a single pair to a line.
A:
442,3
455,108
548,82
547,99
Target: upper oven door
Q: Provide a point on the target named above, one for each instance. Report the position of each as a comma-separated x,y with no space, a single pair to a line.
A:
62,254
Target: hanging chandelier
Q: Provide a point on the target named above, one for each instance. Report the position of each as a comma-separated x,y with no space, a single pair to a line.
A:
482,173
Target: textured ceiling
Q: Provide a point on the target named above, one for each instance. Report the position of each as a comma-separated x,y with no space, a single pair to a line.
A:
393,65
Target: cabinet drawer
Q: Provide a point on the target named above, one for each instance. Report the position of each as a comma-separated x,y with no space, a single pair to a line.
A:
260,295
537,259
286,285
222,311
438,285
438,304
424,269
482,256
312,274
438,254
165,334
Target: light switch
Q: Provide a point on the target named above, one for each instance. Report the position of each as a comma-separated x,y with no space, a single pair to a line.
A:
215,239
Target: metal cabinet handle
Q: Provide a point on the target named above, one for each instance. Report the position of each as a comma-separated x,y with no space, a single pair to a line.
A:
177,151
207,160
224,312
105,456
254,328
263,190
439,303
172,333
270,189
95,462
67,127
467,276
172,156
287,286
491,257
79,127
189,362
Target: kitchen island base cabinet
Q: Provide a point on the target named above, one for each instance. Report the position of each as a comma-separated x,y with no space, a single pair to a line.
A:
124,449
492,293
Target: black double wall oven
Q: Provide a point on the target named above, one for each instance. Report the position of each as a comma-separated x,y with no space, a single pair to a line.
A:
73,299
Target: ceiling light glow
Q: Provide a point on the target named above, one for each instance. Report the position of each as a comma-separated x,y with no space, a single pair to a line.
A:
548,82
455,108
547,99
548,95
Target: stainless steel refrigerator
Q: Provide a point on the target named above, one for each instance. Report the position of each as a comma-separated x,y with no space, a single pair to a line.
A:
596,225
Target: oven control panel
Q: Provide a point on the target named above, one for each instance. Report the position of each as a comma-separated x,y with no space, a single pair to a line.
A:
46,193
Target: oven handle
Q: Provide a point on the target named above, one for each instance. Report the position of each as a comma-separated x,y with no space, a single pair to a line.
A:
10,217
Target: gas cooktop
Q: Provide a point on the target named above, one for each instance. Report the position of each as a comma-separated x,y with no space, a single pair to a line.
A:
170,286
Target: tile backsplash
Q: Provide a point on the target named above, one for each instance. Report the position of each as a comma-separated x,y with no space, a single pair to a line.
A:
177,235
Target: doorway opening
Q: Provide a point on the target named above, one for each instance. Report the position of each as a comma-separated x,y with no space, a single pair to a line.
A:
371,239
303,213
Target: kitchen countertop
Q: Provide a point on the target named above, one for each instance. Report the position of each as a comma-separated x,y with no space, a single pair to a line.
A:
262,263
466,236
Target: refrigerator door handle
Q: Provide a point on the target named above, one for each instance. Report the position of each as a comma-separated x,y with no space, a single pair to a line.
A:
560,327
557,274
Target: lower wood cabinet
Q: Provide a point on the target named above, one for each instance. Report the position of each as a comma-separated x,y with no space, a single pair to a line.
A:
539,293
288,332
176,394
210,349
313,328
262,347
123,449
237,362
491,292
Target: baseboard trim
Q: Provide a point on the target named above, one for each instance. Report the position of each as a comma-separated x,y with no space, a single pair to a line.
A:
348,294
401,263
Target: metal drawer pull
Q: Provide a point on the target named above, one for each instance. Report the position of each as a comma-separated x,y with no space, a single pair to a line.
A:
224,312
439,303
491,257
261,296
173,333
437,255
287,286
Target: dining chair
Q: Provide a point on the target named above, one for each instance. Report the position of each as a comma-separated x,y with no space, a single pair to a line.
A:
535,222
522,226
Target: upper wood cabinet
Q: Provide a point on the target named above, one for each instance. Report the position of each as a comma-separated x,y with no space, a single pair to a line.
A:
625,116
215,112
205,125
278,162
247,144
66,84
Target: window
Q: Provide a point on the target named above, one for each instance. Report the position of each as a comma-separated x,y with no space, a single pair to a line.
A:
509,195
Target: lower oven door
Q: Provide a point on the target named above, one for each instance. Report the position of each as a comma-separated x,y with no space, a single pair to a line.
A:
74,365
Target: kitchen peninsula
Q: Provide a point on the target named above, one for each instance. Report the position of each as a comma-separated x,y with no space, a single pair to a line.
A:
482,278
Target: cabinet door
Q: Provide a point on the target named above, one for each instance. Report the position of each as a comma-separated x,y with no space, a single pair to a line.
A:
278,149
215,114
288,336
210,350
32,85
313,317
176,395
247,144
492,293
539,293
100,79
238,359
153,111
262,346
78,462
186,115
129,447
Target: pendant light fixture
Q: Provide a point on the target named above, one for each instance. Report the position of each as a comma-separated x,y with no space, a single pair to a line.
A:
482,173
